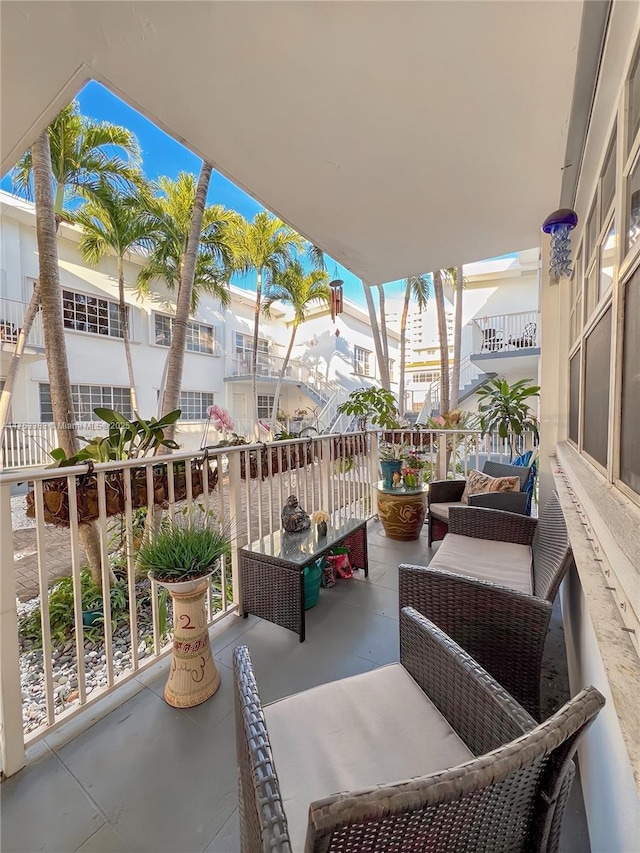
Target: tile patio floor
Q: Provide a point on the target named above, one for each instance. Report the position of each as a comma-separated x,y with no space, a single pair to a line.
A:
145,777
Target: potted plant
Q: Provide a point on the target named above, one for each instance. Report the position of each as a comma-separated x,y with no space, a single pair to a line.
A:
505,409
372,405
320,518
391,457
182,559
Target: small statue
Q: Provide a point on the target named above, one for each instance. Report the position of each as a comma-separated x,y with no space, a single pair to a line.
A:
294,518
396,478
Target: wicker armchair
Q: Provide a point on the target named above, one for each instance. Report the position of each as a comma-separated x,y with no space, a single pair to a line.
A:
503,624
305,784
443,494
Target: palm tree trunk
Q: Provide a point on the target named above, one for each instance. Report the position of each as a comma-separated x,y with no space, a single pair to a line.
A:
457,340
403,345
14,364
384,340
54,341
171,400
254,354
444,344
375,332
283,370
124,325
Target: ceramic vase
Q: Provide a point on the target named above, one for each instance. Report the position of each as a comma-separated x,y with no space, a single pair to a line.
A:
193,676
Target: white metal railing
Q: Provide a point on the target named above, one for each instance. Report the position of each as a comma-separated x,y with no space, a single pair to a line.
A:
11,319
244,486
506,332
28,445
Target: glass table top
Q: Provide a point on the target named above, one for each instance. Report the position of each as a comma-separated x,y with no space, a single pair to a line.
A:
402,490
299,548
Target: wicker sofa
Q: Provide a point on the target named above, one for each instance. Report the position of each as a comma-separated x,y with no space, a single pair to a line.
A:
445,494
491,587
317,770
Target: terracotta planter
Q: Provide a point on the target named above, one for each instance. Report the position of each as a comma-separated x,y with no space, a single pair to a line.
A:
402,515
193,676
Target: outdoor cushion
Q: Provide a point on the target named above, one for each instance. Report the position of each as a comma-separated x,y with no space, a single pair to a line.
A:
370,729
481,483
441,510
503,563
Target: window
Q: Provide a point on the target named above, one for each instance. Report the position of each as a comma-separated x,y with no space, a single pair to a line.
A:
629,443
426,377
392,364
244,351
576,299
607,261
89,314
86,398
592,235
608,180
194,404
634,100
361,361
574,396
265,405
200,337
595,425
633,207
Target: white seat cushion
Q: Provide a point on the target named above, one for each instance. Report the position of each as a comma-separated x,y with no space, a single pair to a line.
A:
371,729
499,562
441,510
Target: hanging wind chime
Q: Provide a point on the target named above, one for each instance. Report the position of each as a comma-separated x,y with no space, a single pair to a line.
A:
337,305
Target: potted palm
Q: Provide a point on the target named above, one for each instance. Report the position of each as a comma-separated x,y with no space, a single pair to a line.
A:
182,559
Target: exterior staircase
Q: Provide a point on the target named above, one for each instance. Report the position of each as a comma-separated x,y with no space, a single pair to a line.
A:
471,378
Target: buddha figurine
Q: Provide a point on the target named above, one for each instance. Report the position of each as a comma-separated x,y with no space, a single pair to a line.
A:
294,518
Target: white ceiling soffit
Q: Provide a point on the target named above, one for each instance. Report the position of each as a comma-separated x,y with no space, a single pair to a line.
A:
399,137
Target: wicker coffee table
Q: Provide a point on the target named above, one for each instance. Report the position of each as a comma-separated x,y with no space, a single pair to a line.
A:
271,570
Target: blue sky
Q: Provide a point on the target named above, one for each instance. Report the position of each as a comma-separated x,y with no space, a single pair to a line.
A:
163,155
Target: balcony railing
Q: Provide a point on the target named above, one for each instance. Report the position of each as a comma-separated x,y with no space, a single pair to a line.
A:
506,333
270,367
11,320
68,669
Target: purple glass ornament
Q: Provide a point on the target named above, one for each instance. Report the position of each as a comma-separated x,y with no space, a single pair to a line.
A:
559,224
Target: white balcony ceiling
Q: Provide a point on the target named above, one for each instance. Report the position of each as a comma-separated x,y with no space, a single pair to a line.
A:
399,137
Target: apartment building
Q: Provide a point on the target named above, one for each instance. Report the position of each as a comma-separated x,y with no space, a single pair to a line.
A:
329,359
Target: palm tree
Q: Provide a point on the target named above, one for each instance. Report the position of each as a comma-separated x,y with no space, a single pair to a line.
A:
457,337
418,288
67,160
384,339
190,250
55,345
82,157
300,290
377,340
115,221
438,290
264,245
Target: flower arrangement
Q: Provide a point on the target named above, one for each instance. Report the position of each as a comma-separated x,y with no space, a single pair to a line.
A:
410,476
221,418
320,516
456,419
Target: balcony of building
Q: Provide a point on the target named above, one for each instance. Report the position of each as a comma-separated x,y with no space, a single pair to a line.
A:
103,748
506,341
12,314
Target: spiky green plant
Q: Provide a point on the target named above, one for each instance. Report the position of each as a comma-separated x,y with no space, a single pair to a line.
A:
184,552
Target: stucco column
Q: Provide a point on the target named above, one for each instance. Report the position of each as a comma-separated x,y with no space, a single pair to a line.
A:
553,375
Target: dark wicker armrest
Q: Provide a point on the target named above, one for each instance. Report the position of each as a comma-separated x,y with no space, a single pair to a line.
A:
263,821
502,629
475,705
445,491
492,524
506,501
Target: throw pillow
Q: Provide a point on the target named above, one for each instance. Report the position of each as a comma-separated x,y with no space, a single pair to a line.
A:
479,483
